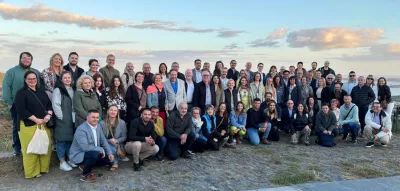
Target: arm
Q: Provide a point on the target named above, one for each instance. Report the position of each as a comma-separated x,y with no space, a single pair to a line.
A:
249,121
184,91
133,131
170,129
78,105
122,125
56,98
81,138
318,123
153,133
369,122
104,142
150,99
6,87
129,98
371,96
23,113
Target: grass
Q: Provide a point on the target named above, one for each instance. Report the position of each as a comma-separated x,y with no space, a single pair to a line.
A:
5,144
293,175
354,170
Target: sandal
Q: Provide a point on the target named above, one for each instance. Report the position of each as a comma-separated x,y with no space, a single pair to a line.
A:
114,168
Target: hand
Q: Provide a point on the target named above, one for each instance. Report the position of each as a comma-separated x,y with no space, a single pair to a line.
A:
183,139
325,132
385,129
244,129
307,127
263,129
47,118
329,132
39,121
166,108
149,140
340,126
111,157
10,106
103,153
265,125
223,132
140,108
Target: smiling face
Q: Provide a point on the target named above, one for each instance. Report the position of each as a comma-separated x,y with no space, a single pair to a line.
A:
87,84
73,60
113,111
94,66
154,113
382,82
231,84
243,81
163,68
66,79
239,107
93,118
210,111
300,108
140,78
173,75
26,61
111,61
146,115
117,82
56,61
157,79
31,80
196,113
130,67
222,107
197,65
98,82
215,79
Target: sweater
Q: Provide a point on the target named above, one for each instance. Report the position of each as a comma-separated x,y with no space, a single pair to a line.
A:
138,131
108,72
363,95
176,126
351,118
13,81
325,122
239,121
254,118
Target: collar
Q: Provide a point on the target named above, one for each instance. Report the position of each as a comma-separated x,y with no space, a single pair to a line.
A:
92,127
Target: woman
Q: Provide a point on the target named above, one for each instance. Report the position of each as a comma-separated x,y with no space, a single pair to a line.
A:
100,92
219,90
238,122
242,74
371,83
64,127
312,109
269,87
115,95
231,95
218,68
114,129
385,96
257,87
292,92
199,144
301,125
322,94
85,99
209,129
52,74
156,97
280,91
244,93
272,119
163,70
334,108
135,98
272,72
222,121
93,68
128,77
33,109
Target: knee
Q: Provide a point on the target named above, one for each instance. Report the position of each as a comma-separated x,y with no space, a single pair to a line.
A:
254,141
156,148
241,133
137,145
368,128
385,140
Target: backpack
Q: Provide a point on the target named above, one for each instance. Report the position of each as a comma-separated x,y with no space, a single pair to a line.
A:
127,78
327,140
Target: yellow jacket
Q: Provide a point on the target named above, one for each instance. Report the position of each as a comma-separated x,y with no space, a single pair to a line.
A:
159,126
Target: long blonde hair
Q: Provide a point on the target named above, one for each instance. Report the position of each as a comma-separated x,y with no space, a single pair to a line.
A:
62,62
268,112
272,86
108,123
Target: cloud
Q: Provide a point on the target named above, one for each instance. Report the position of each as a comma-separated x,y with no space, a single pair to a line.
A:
92,42
278,34
169,27
378,52
42,13
262,43
232,46
333,38
50,33
226,33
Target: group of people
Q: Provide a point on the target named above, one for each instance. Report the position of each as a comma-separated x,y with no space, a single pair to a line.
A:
92,117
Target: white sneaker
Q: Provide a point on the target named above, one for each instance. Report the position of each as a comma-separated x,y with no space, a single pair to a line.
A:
65,167
72,164
126,159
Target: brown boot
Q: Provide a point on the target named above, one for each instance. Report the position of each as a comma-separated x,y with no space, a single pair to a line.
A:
90,178
238,140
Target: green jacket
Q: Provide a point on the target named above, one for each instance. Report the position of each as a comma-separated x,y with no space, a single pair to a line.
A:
14,81
83,102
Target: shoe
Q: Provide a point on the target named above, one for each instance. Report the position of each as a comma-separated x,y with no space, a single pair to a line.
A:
17,152
136,167
160,158
65,167
89,178
370,144
191,152
383,145
237,140
230,145
126,159
344,137
38,176
72,164
187,156
354,141
307,144
266,142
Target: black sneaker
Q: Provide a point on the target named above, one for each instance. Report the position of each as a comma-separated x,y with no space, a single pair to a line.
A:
344,137
136,167
383,145
160,158
370,144
354,141
187,156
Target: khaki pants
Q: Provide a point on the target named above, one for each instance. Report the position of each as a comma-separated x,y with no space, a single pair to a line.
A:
369,132
140,150
297,135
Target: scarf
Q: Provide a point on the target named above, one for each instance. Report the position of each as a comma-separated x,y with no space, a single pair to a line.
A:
152,89
197,122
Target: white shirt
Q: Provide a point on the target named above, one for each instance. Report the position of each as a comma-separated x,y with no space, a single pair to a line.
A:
189,92
224,82
94,134
198,76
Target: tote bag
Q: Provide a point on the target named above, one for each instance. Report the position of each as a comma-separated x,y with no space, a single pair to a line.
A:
40,142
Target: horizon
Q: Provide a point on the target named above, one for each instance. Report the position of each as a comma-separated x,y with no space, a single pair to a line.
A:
164,32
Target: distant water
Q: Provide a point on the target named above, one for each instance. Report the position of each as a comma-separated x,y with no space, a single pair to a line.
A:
395,91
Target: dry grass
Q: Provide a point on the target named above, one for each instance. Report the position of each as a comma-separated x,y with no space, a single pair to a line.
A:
359,170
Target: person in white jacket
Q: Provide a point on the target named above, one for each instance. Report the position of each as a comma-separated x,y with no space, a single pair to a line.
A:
378,126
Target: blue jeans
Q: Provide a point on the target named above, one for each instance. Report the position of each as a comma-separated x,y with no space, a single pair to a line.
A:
16,142
161,142
254,134
114,152
63,149
353,128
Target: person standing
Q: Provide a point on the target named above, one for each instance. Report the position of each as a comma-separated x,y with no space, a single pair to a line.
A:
313,69
385,96
249,73
73,67
257,87
135,98
219,90
52,74
362,96
93,68
174,91
260,68
115,95
189,87
128,77
244,93
326,70
175,66
163,71
305,91
224,79
232,72
156,97
33,108
204,92
351,83
148,76
109,71
231,96
292,92
197,71
12,82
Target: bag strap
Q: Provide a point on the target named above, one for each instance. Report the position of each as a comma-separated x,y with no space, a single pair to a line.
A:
349,112
127,78
45,111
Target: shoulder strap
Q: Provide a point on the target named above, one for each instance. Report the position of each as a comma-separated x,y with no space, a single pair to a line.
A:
127,78
39,101
349,112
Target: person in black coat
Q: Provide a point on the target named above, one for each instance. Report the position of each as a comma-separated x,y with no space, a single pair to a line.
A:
312,109
362,96
232,72
385,96
231,94
287,114
326,95
301,125
292,92
338,93
133,99
200,92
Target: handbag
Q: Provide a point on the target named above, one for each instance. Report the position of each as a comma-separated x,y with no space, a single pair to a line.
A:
327,140
51,123
121,153
39,143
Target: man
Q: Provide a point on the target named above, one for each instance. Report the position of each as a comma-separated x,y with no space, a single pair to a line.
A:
314,83
256,124
175,92
325,123
232,72
73,67
378,126
204,92
313,69
339,78
189,87
249,73
349,85
310,77
260,68
348,119
231,96
197,71
292,71
109,71
338,93
330,79
206,67
268,98
286,117
159,128
128,77
281,70
362,96
299,77
148,76
300,68
179,133
285,78
175,66
141,139
305,91
12,82
326,70
224,79
90,147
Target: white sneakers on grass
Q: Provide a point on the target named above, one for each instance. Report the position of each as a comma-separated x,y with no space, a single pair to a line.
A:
65,167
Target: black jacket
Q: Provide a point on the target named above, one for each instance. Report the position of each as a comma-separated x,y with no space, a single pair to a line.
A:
199,95
326,95
326,72
176,126
286,118
138,131
132,100
384,94
148,80
254,118
341,99
362,96
228,96
181,76
295,95
78,73
233,75
300,122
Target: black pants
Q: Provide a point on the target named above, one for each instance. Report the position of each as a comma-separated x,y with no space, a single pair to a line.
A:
92,159
173,146
199,145
362,111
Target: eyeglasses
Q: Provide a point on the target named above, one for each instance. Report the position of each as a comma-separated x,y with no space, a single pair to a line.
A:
206,75
352,75
370,78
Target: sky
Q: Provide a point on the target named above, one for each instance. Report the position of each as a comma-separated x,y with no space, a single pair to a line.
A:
353,35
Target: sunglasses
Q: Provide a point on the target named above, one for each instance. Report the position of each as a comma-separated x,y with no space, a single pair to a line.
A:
352,75
370,78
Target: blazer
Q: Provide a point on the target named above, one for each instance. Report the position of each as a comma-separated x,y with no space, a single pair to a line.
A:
219,96
84,142
120,130
233,75
172,99
199,96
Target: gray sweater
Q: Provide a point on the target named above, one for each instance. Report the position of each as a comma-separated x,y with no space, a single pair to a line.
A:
325,122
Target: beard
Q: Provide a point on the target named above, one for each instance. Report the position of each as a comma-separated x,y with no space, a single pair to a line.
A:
337,94
73,64
24,66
